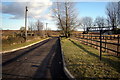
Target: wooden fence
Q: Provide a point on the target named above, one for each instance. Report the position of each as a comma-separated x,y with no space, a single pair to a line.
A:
106,43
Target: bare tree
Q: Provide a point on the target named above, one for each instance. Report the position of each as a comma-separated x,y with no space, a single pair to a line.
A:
119,14
86,22
100,21
31,26
66,16
49,31
22,28
112,14
22,32
39,25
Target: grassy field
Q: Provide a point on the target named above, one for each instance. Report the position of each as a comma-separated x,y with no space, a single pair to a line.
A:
18,45
83,61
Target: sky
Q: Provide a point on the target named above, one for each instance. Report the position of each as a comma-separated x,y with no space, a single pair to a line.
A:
92,9
12,13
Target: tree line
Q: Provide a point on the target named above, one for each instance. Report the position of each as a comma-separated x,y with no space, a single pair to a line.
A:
36,28
38,25
67,17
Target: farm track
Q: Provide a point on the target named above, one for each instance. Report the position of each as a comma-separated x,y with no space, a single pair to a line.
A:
43,60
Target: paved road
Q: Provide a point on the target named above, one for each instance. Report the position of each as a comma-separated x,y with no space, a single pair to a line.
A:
42,60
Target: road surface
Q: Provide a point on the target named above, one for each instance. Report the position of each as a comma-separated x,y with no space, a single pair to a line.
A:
43,60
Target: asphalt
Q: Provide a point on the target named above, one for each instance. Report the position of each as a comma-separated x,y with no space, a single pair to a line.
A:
40,61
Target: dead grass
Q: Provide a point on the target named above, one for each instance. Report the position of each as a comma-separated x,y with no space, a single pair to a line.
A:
83,61
6,47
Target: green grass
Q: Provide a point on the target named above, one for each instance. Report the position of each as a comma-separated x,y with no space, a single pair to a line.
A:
18,45
83,61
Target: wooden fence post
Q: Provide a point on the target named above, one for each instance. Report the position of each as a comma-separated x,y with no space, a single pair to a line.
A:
100,44
118,45
80,37
91,40
87,39
105,45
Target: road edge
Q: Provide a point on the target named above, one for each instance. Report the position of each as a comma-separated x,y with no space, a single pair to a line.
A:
3,52
66,71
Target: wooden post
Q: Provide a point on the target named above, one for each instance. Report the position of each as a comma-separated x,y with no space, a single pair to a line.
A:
91,40
118,45
105,45
110,37
100,44
80,37
87,39
83,39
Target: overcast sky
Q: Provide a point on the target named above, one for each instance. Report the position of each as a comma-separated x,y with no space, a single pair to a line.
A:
13,12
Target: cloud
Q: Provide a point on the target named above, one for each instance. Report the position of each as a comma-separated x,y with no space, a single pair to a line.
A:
35,9
15,9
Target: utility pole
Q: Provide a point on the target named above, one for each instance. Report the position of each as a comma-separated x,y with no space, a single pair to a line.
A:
26,23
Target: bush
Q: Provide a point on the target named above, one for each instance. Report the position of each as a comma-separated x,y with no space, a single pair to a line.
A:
116,31
12,40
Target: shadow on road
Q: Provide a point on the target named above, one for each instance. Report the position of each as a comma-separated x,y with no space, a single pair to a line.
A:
57,64
52,66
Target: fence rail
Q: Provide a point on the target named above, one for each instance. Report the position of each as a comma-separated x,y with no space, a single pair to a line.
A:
107,43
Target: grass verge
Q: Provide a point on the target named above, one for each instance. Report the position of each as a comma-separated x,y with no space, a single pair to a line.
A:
83,61
14,46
